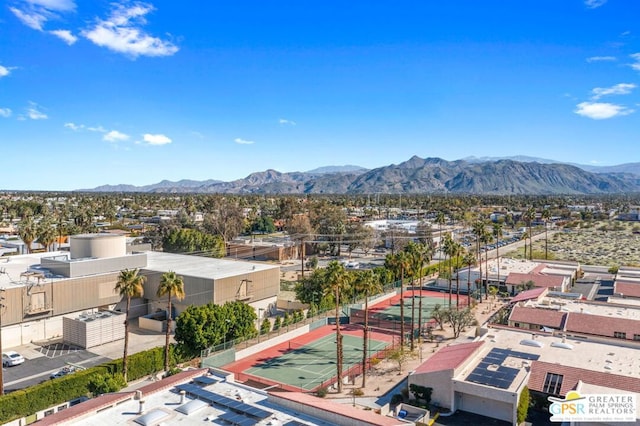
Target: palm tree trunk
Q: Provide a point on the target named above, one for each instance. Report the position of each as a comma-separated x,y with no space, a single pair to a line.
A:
365,336
457,288
413,313
338,343
450,285
166,344
546,247
420,310
401,308
469,287
125,360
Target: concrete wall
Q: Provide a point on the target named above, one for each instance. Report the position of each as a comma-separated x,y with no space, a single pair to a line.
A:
440,382
485,400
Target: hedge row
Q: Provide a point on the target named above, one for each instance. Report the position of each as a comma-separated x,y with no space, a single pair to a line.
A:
49,393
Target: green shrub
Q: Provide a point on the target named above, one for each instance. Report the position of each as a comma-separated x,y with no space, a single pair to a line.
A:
523,405
322,392
397,399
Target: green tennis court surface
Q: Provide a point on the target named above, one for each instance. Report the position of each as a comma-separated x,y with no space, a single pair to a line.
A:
311,364
428,303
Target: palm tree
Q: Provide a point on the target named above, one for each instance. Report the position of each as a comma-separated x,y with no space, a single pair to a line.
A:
449,251
457,251
529,216
546,215
440,220
27,231
399,263
338,281
479,230
46,233
171,285
420,254
486,239
469,259
129,285
497,233
366,283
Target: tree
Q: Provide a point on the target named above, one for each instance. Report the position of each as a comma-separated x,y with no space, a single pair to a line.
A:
399,263
479,230
546,216
523,405
497,233
419,255
459,320
449,250
338,281
440,220
27,231
46,233
171,285
129,285
265,327
226,219
439,315
401,356
528,217
193,241
469,259
366,283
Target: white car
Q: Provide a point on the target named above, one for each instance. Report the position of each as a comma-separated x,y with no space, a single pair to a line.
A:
11,358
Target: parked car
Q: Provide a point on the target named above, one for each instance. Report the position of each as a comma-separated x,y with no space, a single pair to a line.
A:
62,372
11,358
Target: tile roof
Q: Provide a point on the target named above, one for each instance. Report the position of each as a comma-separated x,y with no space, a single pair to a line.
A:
539,316
599,325
631,289
571,376
534,293
449,357
515,278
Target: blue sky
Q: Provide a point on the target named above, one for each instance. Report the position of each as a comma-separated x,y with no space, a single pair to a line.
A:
102,92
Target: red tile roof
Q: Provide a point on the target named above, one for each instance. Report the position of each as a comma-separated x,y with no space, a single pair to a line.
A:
571,376
538,316
449,357
534,293
599,325
627,288
516,278
362,417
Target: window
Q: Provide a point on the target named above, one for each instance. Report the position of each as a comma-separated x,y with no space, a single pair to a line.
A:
619,335
552,383
517,325
636,337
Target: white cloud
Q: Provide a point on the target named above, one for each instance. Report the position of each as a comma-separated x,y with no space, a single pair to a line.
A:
115,136
601,110
636,64
122,33
4,71
618,89
65,35
30,18
243,141
5,112
35,13
156,139
34,113
99,129
592,4
284,121
601,59
74,126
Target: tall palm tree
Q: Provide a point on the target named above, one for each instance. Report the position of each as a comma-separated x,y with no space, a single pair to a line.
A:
338,281
129,285
366,283
546,215
469,259
529,216
399,263
449,251
486,239
479,230
46,233
440,220
171,285
457,251
497,233
420,254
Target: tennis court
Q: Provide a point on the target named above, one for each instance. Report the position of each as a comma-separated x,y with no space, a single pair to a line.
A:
309,362
309,365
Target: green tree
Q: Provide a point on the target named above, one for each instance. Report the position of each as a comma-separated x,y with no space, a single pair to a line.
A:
171,285
497,233
523,405
265,327
277,323
419,254
546,216
28,232
46,233
193,241
399,263
469,259
439,315
529,216
479,230
450,250
338,281
129,285
459,320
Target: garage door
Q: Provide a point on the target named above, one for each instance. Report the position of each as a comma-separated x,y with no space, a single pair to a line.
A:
485,407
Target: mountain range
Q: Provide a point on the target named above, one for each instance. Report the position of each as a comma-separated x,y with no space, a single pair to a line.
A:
489,175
